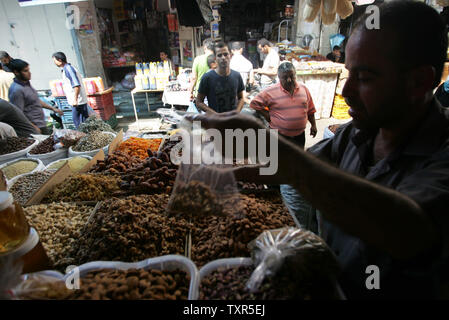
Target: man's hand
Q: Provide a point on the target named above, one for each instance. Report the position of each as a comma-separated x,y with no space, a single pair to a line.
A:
235,120
58,111
313,131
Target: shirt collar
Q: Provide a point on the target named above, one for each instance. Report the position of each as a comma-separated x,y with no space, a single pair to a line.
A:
22,83
296,88
425,140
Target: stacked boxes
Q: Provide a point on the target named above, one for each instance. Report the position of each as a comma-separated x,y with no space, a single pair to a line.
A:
103,104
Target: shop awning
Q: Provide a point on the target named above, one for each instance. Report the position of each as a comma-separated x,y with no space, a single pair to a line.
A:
28,3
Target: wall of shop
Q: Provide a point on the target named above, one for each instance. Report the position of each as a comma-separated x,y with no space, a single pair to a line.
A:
88,36
34,34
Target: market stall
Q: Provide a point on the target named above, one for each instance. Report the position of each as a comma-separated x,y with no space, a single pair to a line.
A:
122,199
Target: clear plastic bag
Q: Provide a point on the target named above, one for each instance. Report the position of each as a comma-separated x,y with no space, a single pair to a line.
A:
67,137
10,271
299,253
204,186
41,286
202,190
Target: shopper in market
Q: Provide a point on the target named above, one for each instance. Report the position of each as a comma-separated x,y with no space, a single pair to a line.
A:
240,64
72,83
336,55
200,66
381,184
223,87
164,57
5,59
211,62
26,98
269,69
14,118
289,105
6,79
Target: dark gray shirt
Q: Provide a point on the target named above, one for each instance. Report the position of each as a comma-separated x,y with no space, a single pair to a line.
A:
11,115
419,170
25,97
221,92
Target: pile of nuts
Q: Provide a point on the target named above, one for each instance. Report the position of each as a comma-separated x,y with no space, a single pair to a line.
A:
194,199
18,168
58,226
247,186
84,187
94,124
25,186
169,144
131,229
14,144
93,141
131,284
118,162
45,146
308,271
230,284
155,174
224,237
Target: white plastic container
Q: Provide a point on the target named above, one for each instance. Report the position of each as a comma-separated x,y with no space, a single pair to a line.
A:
217,264
18,154
46,158
47,168
168,262
232,263
40,167
90,153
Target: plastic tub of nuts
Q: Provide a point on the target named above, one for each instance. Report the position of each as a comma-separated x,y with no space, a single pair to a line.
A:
164,263
243,267
215,265
94,138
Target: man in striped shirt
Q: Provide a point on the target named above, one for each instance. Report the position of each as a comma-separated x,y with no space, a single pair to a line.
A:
287,106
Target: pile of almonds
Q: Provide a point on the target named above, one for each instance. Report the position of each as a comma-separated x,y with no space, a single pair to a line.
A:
58,226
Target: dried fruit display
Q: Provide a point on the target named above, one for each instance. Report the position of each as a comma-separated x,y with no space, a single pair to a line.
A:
131,229
84,187
137,147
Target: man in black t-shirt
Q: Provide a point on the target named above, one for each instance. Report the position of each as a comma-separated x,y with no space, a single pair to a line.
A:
223,87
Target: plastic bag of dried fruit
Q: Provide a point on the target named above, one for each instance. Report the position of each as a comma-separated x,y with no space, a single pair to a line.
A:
35,286
10,271
67,137
204,186
42,286
298,253
202,190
